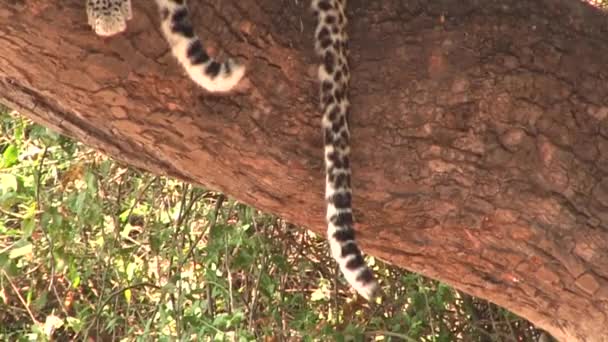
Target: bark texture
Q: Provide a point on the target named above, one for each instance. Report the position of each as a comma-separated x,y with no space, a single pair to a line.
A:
480,129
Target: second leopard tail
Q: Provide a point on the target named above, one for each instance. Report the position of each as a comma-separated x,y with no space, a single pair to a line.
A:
334,75
190,53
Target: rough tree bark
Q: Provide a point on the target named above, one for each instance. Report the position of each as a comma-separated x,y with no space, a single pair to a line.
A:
480,130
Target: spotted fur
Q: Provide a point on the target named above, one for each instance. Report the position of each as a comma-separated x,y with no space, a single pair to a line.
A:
331,41
109,17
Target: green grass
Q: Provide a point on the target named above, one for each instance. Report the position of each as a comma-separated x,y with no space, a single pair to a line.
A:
94,249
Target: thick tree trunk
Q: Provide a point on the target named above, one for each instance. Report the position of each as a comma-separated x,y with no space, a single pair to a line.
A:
480,130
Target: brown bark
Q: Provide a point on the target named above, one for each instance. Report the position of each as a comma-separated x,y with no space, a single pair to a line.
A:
480,130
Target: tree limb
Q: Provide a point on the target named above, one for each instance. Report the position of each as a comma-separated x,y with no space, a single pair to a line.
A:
479,130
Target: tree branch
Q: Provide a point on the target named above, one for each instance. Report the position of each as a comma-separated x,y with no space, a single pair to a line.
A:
480,133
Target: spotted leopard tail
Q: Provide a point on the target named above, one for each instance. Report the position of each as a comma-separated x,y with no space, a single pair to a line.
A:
330,44
190,53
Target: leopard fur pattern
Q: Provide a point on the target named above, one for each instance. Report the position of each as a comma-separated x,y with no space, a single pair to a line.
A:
109,17
331,45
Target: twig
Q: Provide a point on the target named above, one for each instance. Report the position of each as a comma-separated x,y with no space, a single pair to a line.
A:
47,237
15,215
27,308
391,334
255,295
218,205
508,322
135,203
179,223
229,273
119,291
114,294
428,309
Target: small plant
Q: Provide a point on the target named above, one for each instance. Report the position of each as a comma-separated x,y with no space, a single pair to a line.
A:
91,248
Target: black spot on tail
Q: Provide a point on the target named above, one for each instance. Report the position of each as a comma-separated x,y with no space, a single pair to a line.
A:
349,248
355,263
196,53
344,234
366,276
341,200
342,220
213,69
180,24
342,180
324,5
324,37
329,62
337,162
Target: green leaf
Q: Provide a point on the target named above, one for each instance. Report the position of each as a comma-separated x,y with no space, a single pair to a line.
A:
219,336
10,156
128,295
75,280
131,267
4,261
74,323
8,199
27,227
40,300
